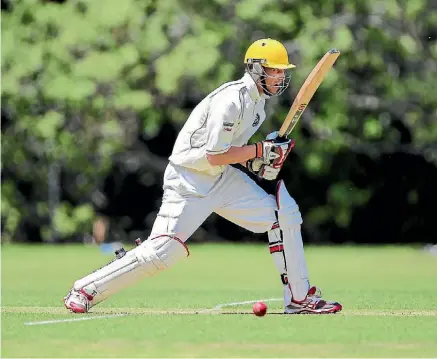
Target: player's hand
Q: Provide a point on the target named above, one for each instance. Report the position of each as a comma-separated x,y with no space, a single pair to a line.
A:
257,167
274,150
284,146
265,150
254,165
268,172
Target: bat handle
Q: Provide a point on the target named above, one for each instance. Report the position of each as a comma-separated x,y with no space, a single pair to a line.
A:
281,138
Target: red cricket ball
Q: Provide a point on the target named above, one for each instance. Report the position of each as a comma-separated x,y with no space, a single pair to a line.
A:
259,309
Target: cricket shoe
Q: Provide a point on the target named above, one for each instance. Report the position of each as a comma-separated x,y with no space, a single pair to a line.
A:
313,304
315,292
78,301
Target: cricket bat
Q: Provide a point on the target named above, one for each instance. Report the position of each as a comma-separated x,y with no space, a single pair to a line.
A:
307,91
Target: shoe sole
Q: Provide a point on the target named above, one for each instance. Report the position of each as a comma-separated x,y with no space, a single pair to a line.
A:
333,310
75,308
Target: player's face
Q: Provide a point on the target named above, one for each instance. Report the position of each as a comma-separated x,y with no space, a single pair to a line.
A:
274,79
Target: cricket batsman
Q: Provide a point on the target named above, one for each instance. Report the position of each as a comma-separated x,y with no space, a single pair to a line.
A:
200,180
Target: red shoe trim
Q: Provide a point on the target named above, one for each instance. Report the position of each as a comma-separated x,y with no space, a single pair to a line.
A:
312,290
77,309
298,302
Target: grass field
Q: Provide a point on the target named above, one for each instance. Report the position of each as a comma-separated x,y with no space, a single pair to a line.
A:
389,296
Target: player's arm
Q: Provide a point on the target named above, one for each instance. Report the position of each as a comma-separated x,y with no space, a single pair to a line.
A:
232,155
265,151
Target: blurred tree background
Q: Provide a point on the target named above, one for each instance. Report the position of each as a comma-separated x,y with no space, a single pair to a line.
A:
94,93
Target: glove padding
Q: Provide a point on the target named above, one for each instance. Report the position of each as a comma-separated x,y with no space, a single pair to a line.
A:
257,167
274,150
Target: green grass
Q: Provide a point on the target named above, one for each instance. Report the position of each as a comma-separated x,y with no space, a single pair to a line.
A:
388,294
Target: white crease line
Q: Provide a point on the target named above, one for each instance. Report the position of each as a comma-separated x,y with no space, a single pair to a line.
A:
220,306
69,320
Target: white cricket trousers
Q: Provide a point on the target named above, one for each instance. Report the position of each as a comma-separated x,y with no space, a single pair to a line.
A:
235,197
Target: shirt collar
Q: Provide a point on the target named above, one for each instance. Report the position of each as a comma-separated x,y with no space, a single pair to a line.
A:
251,87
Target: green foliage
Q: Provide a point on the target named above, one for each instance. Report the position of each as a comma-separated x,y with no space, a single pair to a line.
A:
10,210
80,77
67,220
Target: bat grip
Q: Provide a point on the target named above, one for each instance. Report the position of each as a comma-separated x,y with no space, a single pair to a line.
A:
280,138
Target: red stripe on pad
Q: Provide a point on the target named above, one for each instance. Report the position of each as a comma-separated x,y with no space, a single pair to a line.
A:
275,225
278,248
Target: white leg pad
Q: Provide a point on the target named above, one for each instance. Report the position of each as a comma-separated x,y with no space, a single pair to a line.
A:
290,221
276,246
149,258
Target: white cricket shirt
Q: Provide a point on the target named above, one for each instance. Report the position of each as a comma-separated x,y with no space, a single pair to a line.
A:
228,116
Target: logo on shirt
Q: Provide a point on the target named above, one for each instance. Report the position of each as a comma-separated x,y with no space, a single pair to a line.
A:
227,126
256,122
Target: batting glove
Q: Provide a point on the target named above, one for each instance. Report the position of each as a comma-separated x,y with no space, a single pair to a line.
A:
274,150
257,167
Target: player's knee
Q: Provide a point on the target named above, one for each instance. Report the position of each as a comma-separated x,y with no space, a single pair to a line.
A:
292,216
288,210
163,251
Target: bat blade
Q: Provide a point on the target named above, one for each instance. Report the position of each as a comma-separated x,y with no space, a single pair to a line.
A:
307,91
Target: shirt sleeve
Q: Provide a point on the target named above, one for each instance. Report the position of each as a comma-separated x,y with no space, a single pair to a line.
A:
220,126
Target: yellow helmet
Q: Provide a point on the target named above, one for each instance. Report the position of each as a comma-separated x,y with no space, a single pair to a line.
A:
269,53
